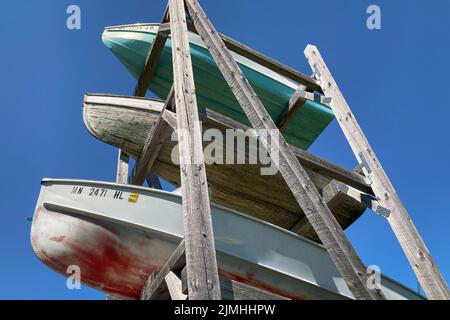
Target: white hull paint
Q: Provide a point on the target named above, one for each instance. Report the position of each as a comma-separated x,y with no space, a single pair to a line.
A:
118,234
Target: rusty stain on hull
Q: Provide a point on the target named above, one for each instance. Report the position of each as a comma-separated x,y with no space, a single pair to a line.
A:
110,267
117,245
107,263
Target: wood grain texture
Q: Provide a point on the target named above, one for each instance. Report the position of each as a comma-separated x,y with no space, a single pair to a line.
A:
153,57
124,122
324,223
202,273
156,138
174,286
295,103
342,200
409,238
155,287
265,61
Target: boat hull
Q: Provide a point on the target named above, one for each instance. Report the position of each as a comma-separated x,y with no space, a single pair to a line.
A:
130,44
117,235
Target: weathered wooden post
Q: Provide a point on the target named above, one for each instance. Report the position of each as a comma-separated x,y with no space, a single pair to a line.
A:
409,238
202,273
197,250
122,167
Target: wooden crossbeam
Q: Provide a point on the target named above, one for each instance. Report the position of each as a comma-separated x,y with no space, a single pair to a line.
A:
308,160
157,137
270,63
295,104
331,234
367,200
171,118
155,287
266,61
338,197
297,101
203,278
301,226
174,286
409,238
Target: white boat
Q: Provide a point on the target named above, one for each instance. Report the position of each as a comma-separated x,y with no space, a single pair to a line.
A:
119,234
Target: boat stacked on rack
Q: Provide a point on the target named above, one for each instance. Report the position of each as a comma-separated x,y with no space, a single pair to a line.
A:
119,234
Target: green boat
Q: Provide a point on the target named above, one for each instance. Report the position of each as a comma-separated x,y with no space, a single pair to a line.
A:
131,43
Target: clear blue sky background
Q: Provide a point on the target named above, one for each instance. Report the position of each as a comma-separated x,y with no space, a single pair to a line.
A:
396,80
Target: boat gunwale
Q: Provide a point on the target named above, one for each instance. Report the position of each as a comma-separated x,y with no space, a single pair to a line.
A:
246,62
143,24
148,108
47,181
47,260
358,184
300,74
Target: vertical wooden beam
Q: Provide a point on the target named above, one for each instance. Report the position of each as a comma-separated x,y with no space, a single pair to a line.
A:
122,168
203,279
412,244
122,178
330,232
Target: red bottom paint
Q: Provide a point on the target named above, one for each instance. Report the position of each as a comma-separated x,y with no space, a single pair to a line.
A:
114,261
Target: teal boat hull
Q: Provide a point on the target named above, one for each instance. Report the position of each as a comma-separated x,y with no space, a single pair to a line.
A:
130,44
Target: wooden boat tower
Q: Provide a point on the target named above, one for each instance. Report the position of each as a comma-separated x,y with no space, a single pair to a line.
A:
192,271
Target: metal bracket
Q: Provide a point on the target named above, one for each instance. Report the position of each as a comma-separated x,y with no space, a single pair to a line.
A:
369,200
316,73
340,187
363,164
313,96
325,100
382,211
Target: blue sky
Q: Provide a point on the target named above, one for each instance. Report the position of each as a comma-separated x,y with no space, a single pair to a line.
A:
395,79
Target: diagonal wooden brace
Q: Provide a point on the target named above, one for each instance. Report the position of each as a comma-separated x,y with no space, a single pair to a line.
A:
429,275
157,137
331,234
155,287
